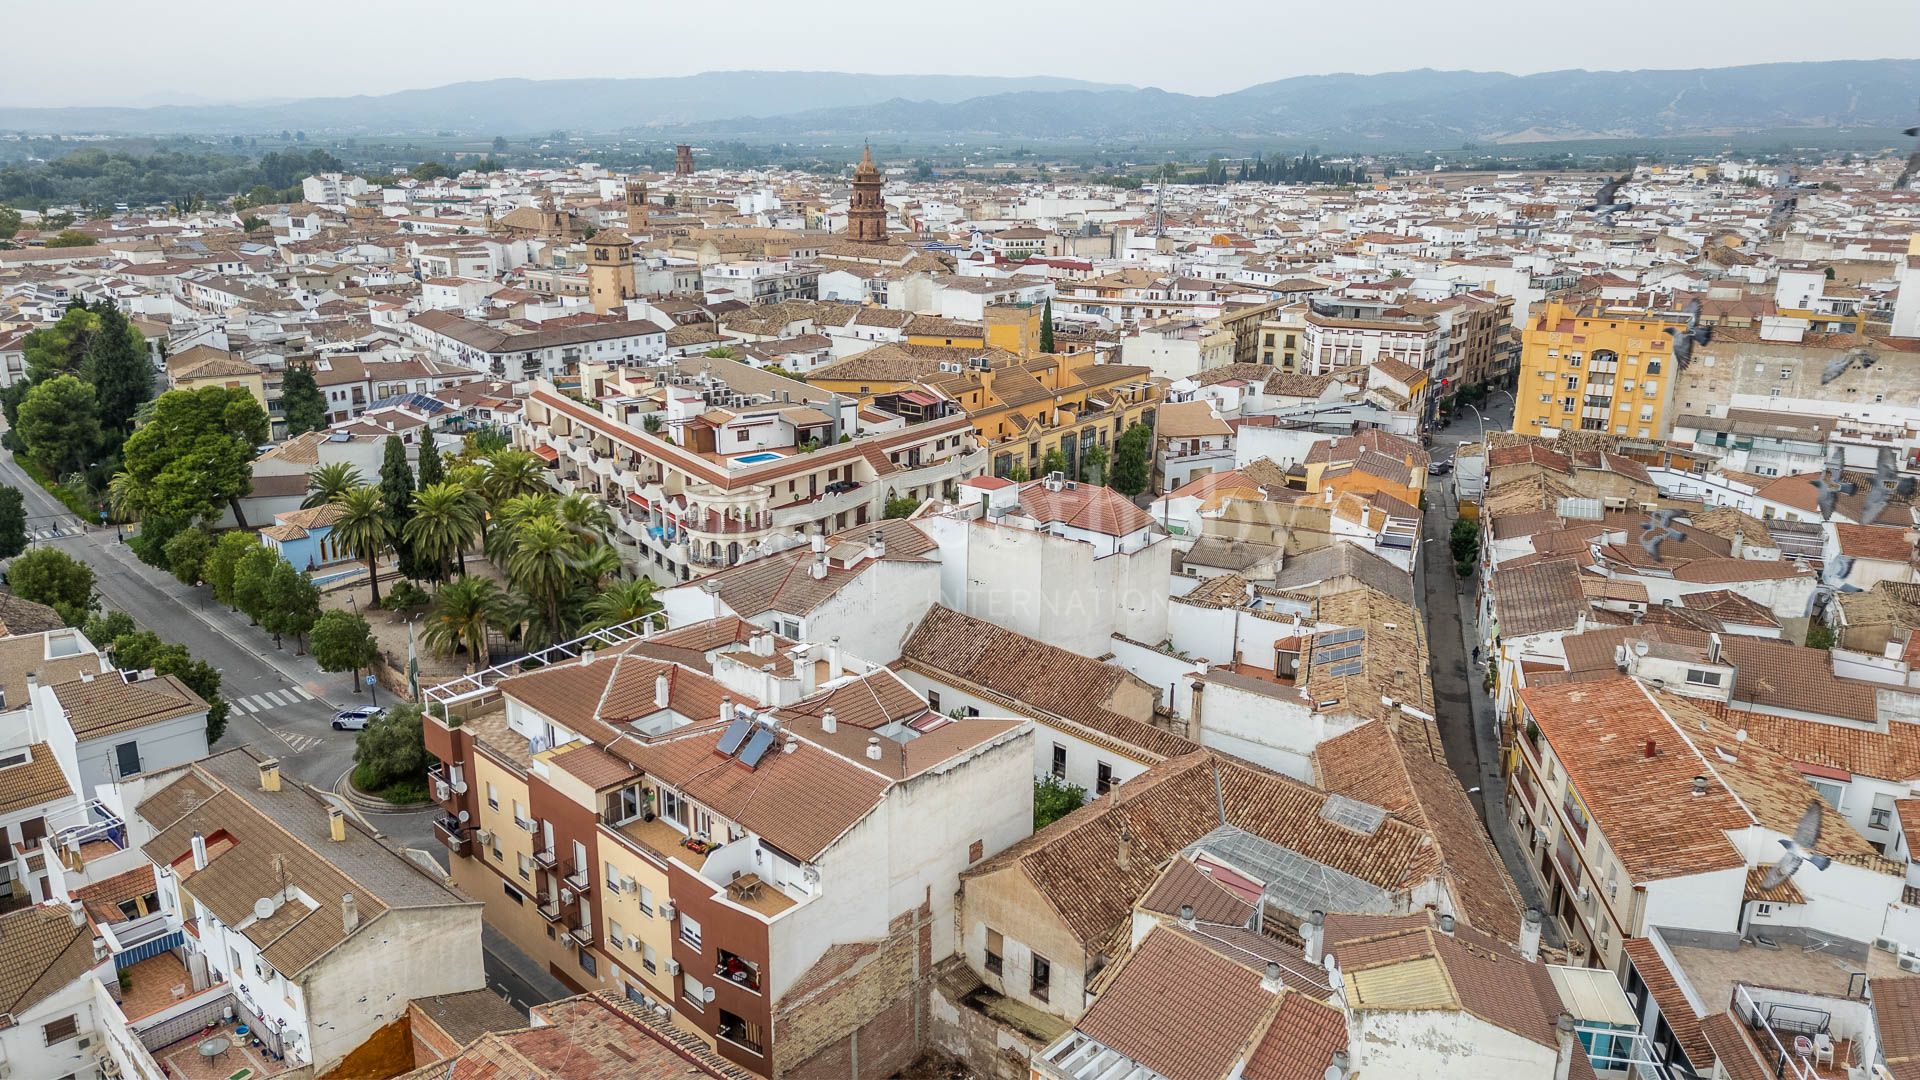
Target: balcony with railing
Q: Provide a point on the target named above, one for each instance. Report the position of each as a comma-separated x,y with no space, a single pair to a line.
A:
549,905
545,856
454,834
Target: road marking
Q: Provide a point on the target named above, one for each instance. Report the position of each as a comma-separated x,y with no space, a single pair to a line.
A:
297,741
301,691
280,698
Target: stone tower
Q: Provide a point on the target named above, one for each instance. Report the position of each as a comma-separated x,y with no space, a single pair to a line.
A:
683,160
637,208
610,282
867,210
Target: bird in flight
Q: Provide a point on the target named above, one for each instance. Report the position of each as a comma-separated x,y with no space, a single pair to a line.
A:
1838,366
1833,483
1833,581
1657,530
1912,170
1693,334
1604,205
1800,848
1886,483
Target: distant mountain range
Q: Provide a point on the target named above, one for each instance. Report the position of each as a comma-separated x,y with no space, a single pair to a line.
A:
1436,108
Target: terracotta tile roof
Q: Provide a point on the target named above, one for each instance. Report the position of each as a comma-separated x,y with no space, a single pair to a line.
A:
1299,1041
44,953
19,616
1083,506
868,701
1724,521
1738,1056
1184,884
32,782
1890,543
1897,1011
1029,674
108,704
1535,599
594,767
1190,420
1670,998
1073,861
1150,1012
598,698
598,1036
470,1014
1784,893
103,898
1729,606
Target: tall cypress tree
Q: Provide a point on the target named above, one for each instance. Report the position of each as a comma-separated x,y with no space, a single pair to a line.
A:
396,491
1046,327
301,401
432,470
116,364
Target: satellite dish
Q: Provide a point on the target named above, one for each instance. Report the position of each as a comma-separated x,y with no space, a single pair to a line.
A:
464,815
263,908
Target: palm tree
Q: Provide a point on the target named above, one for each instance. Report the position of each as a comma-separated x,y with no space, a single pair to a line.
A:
541,564
442,526
509,516
518,613
584,517
621,602
365,529
594,567
328,483
124,497
462,613
473,481
514,472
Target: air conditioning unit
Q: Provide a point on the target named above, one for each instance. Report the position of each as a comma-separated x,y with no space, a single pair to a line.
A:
1909,962
485,836
669,911
525,825
673,966
627,884
566,895
441,791
633,943
1886,944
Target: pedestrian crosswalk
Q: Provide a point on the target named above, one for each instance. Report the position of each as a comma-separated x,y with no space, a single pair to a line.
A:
271,699
297,742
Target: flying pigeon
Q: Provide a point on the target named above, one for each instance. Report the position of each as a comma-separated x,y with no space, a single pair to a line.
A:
1833,581
1886,483
1685,338
1832,484
1604,206
1799,848
1657,530
1838,366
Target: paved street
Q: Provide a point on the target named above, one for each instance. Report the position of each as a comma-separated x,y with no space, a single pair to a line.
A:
281,703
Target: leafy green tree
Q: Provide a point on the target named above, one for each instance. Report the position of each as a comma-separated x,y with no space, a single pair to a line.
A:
116,363
1018,473
1131,467
366,530
1820,636
1046,326
396,490
1054,462
68,238
482,443
499,144
106,627
330,483
224,560
902,507
9,223
427,170
13,522
342,641
301,401
293,604
391,751
251,578
442,526
192,456
60,348
463,612
1093,464
187,555
1053,799
140,649
49,576
59,423
514,472
621,602
432,469
253,223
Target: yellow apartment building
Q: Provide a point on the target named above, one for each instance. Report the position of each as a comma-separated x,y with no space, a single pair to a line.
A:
1586,365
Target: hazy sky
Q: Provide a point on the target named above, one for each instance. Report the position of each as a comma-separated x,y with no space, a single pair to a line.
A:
244,50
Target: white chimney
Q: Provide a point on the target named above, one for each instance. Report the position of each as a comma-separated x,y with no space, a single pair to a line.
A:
662,688
349,913
586,656
1270,982
77,912
877,545
817,541
199,852
804,667
873,748
1313,936
1569,1046
833,658
726,709
1530,935
818,571
828,722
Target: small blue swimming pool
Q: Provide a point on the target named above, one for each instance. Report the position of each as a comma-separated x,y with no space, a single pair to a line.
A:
756,459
